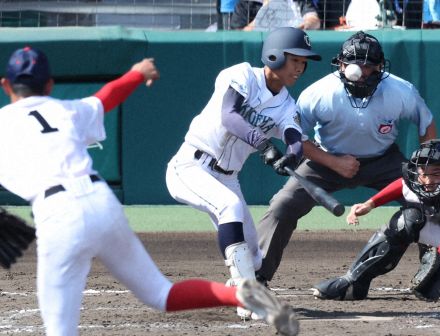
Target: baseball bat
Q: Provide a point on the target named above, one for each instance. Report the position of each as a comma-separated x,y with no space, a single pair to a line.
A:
319,195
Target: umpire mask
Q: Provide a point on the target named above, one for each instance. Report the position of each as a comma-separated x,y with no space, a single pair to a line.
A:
361,49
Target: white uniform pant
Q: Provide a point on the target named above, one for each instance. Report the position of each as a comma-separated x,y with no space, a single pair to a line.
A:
193,182
71,231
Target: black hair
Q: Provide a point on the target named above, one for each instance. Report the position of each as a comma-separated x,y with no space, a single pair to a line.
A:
25,86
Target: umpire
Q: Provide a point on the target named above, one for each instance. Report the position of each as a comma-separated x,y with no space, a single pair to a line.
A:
355,122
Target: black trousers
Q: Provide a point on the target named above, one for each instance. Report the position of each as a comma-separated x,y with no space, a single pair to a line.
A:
292,202
244,13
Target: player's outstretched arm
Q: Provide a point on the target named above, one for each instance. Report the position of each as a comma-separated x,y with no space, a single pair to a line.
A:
391,192
358,210
117,91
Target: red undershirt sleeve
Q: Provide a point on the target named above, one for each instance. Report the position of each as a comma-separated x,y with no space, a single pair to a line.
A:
391,192
115,92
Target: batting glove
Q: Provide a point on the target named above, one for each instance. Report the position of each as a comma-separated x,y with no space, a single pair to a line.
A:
269,153
288,160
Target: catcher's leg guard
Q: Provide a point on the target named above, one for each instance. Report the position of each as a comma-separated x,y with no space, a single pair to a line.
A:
426,282
239,261
381,255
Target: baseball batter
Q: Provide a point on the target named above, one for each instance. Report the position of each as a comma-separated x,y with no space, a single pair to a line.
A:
44,145
248,107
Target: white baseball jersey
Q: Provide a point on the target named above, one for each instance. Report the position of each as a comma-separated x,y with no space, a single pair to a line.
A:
45,142
430,233
361,132
271,114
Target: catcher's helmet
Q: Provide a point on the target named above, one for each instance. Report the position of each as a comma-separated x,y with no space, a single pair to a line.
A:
286,40
428,154
362,49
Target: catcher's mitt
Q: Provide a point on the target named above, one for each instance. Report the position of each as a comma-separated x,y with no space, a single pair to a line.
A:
15,237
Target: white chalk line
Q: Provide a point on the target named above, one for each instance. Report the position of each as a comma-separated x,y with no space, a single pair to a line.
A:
360,318
292,292
276,290
88,292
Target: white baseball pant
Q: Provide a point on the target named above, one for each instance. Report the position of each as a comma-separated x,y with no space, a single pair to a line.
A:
75,226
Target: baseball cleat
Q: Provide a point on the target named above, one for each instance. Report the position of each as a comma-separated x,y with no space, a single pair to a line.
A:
262,280
341,288
256,298
333,289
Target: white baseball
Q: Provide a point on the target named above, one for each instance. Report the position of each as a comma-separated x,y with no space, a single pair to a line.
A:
353,72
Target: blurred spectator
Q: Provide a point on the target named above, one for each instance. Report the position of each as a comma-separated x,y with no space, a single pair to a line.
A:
431,14
244,13
226,10
219,24
286,13
272,14
365,15
333,13
362,14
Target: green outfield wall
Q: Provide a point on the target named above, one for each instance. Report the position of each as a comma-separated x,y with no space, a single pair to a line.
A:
145,131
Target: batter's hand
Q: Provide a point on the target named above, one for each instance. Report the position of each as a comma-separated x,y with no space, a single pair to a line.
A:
269,153
358,210
148,69
288,160
346,166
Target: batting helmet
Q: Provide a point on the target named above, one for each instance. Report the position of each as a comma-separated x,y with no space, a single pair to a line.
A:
428,154
286,40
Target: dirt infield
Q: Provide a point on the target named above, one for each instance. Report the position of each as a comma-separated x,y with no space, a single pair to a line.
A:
109,309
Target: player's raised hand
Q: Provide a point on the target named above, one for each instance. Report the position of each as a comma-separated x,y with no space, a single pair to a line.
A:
358,210
148,69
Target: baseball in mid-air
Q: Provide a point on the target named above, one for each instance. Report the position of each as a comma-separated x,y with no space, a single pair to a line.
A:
353,72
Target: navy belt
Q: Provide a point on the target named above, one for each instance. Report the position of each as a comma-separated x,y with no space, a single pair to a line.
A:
56,189
213,163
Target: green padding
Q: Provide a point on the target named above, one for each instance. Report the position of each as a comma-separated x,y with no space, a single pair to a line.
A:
73,51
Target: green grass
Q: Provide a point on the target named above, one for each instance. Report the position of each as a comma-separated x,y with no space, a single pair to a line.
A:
154,218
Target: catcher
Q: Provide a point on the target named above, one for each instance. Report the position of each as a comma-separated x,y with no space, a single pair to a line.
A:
15,237
418,221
